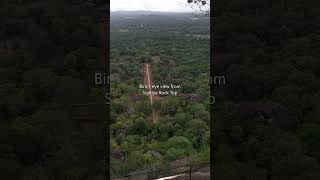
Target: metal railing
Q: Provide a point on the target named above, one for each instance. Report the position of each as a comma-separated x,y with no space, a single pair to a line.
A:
193,171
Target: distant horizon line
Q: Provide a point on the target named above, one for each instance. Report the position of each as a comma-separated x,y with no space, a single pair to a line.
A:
151,11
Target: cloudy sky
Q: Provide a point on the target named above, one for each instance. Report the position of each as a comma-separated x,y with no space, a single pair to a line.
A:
150,5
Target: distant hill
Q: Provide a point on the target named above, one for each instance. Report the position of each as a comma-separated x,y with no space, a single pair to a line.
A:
139,13
154,15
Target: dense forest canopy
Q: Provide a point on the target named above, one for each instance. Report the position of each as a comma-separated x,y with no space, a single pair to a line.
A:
171,43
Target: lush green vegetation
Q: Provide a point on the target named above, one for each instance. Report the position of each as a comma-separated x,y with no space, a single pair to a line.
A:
49,51
266,119
166,41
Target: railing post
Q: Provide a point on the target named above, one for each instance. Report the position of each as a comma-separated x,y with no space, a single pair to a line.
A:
148,176
190,171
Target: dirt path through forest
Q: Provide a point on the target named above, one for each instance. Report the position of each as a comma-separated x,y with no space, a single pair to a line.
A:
148,79
148,82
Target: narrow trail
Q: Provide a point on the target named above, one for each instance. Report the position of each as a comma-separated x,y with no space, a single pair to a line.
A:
148,83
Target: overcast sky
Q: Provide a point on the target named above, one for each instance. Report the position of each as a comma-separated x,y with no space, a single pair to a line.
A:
150,5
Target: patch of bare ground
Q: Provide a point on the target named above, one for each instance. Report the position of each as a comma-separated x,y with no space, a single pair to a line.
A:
155,59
